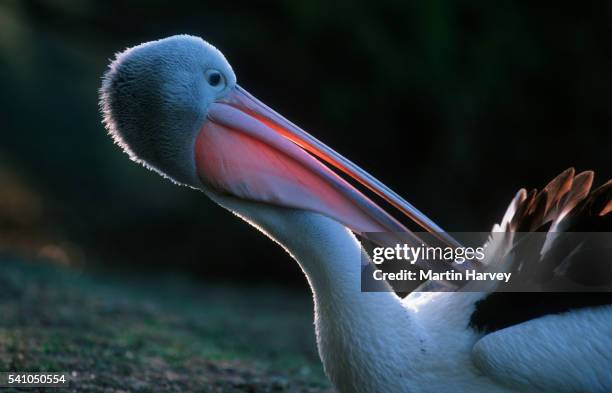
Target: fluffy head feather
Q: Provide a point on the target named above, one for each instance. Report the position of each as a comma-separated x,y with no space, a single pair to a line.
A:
154,99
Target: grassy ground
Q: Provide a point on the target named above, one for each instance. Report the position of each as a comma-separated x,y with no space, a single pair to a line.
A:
163,334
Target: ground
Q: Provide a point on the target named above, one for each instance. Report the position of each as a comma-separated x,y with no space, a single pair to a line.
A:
154,333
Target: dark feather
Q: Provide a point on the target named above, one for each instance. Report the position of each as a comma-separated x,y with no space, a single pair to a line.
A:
566,261
500,310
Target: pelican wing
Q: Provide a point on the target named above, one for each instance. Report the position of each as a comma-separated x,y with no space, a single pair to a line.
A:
551,341
557,260
558,256
557,353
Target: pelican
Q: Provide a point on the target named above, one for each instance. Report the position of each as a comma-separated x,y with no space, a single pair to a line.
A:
174,106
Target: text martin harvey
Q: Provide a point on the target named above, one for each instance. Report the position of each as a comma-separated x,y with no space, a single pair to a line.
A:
449,275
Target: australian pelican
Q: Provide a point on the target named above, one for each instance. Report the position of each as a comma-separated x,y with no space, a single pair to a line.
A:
173,105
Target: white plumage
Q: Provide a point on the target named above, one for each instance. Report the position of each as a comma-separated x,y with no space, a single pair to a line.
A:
164,108
378,343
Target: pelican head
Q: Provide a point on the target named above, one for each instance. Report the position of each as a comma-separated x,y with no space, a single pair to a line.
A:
174,106
155,96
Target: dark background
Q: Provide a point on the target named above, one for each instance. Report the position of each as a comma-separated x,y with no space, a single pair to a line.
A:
454,105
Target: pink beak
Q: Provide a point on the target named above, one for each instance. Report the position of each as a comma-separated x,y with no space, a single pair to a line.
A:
247,150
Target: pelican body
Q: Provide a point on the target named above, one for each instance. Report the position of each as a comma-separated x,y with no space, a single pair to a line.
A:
174,106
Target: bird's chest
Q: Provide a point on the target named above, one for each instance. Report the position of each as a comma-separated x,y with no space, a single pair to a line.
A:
360,356
375,352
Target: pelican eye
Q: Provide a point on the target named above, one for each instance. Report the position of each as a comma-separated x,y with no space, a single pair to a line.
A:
215,79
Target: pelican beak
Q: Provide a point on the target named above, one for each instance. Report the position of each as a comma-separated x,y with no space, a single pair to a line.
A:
249,151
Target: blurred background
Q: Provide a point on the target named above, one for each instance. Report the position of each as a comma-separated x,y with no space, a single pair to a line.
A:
152,287
454,105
